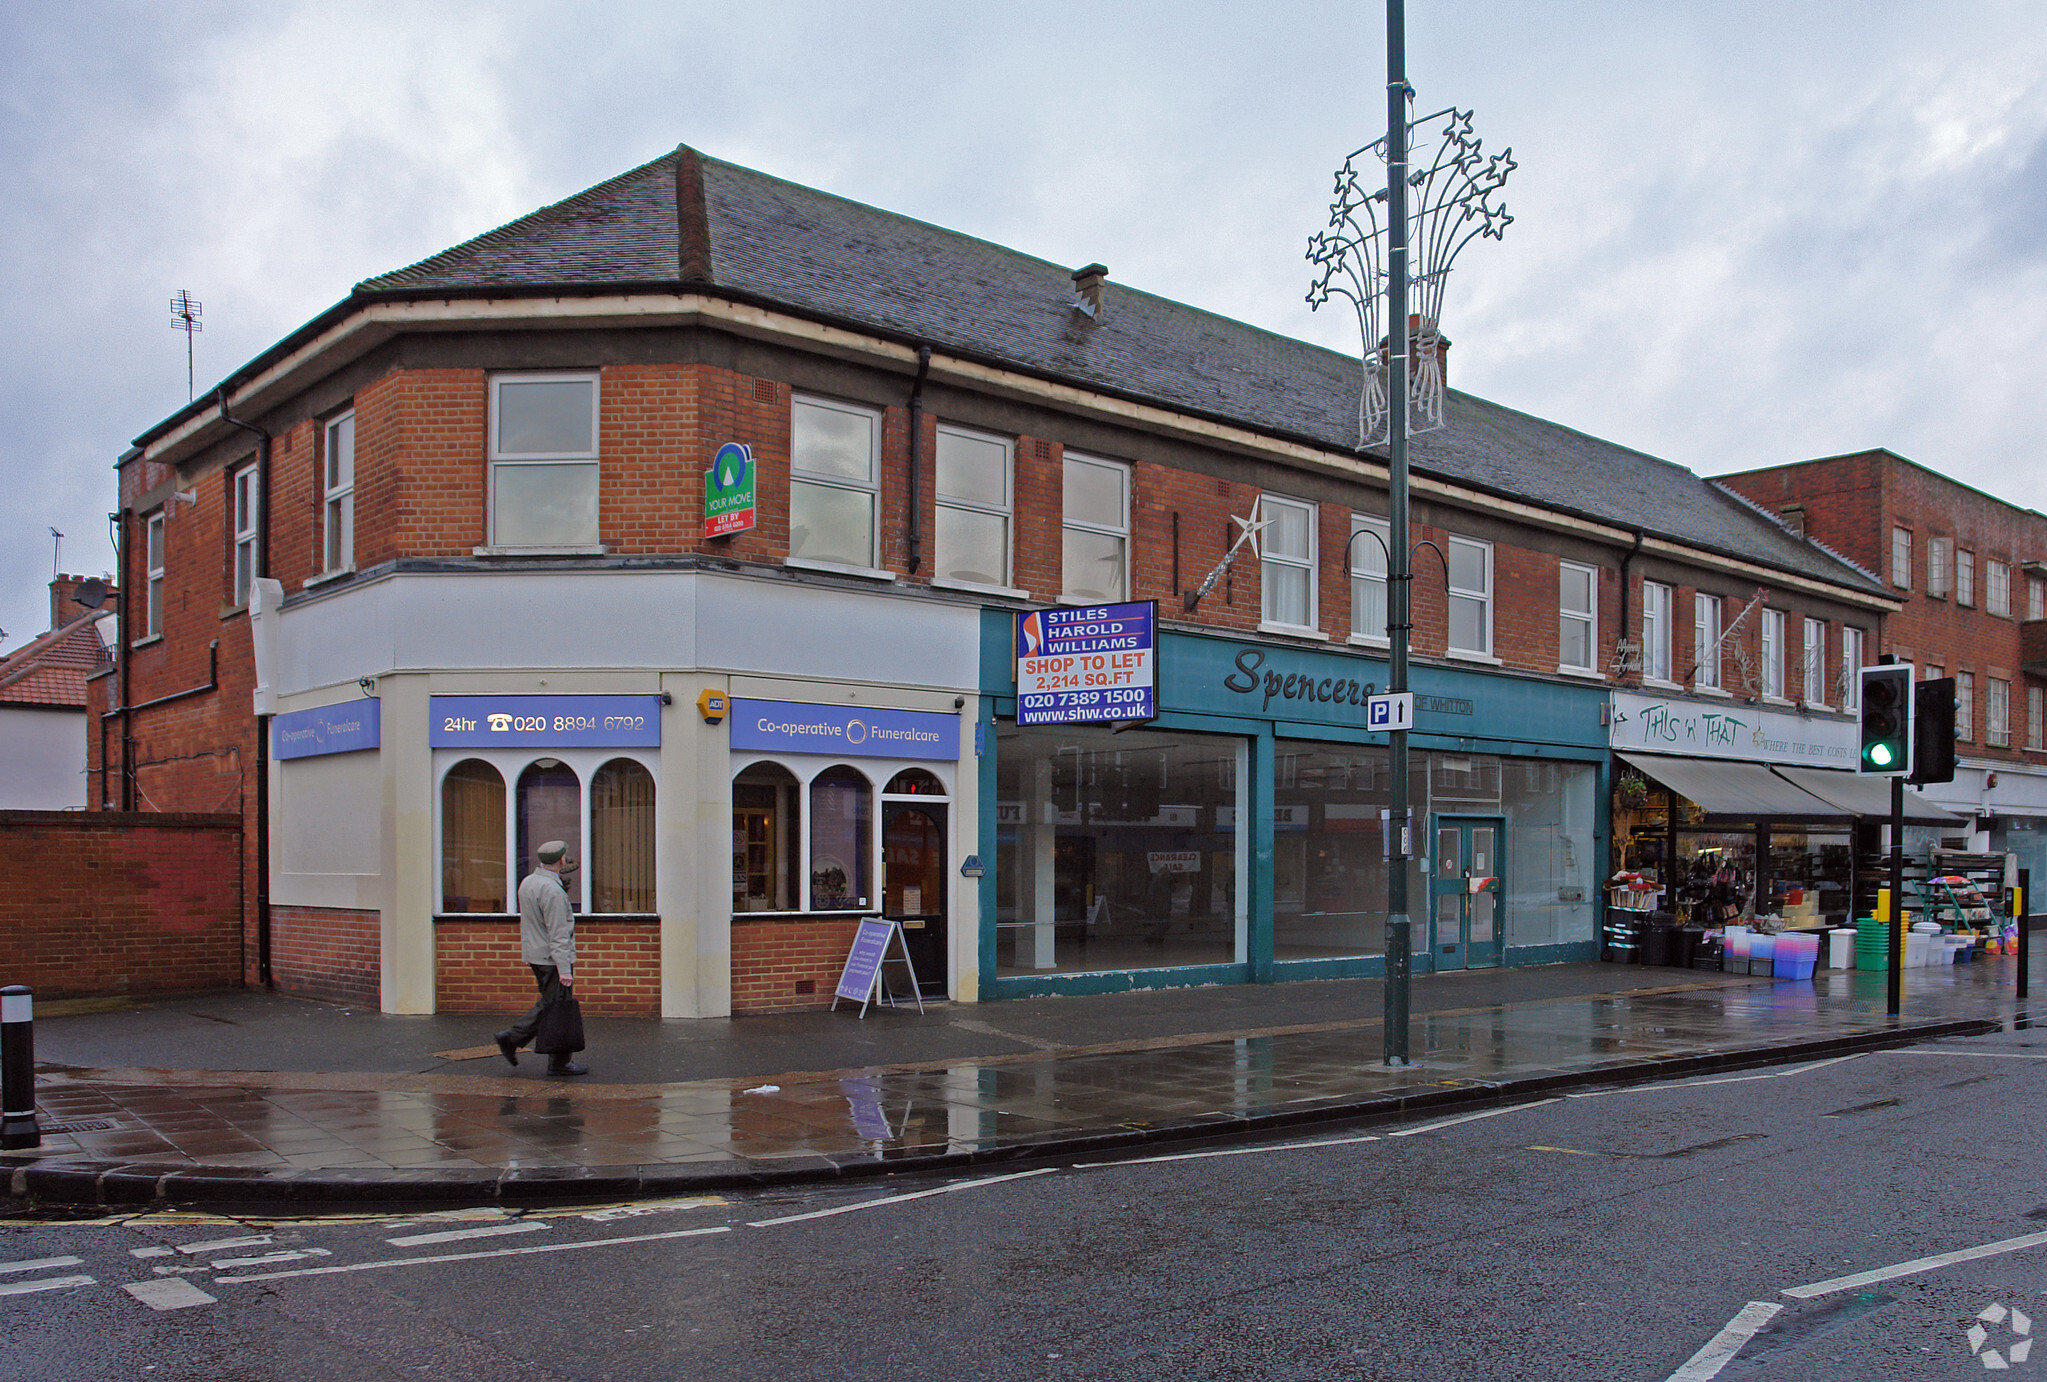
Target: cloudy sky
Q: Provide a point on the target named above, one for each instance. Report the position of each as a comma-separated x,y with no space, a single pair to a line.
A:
1745,232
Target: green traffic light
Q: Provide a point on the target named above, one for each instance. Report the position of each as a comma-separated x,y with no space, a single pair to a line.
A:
1881,755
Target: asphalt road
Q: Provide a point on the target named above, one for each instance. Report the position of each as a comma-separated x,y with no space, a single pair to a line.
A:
1612,1234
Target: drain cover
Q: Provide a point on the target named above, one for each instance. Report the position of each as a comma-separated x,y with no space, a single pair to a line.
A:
82,1125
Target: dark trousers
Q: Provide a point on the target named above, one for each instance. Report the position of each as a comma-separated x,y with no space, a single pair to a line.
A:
549,980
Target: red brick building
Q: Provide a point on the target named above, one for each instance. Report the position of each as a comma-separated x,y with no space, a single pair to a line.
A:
427,582
1970,570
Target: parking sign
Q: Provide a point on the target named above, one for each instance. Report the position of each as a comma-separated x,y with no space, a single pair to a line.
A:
1384,713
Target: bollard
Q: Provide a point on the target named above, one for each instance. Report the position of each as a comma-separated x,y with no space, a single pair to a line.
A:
18,1128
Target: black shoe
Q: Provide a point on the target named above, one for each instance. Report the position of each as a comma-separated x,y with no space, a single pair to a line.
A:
507,1047
566,1067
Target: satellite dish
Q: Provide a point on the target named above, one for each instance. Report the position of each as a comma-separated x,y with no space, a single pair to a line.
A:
91,593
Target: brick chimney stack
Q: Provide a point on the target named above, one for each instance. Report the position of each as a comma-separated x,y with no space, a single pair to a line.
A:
1416,325
1087,285
64,607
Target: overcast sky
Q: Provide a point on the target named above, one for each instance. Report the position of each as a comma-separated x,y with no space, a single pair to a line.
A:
1745,233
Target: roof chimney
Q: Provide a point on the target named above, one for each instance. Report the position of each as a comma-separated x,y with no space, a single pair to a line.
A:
72,596
1793,516
1424,340
1087,286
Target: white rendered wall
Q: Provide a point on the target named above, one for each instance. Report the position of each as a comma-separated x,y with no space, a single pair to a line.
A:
42,758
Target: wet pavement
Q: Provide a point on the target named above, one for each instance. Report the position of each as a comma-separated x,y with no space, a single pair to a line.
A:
392,1113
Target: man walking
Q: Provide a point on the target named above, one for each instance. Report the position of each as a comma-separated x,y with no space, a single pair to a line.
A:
547,940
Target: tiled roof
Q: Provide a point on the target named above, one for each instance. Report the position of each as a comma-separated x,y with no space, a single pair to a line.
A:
52,669
687,219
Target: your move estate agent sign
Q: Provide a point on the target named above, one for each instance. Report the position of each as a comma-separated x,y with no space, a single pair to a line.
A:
729,491
1091,662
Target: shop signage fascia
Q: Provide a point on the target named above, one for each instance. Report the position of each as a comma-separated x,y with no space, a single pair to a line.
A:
1730,731
729,487
344,728
1087,663
556,722
842,731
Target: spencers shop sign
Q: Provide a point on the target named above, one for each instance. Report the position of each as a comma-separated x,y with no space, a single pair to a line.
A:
1255,680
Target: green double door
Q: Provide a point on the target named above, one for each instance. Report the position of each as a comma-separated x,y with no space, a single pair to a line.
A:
1465,888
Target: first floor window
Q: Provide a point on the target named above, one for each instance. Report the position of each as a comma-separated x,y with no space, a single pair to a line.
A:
1094,542
1471,596
242,488
1997,588
1997,723
1814,691
1965,705
1705,639
1851,669
1773,653
1965,578
153,560
339,504
1901,558
971,537
1287,561
1368,576
1937,558
543,460
1577,616
1656,631
2036,597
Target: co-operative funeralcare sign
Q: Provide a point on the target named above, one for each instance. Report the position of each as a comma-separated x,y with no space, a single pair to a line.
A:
1732,731
843,730
326,729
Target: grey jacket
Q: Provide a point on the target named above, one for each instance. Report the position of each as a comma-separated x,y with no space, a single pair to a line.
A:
547,929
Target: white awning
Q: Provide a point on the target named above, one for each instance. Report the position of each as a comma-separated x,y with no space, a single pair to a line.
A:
1741,791
1866,796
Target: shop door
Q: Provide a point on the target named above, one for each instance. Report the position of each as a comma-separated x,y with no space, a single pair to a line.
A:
913,887
1464,892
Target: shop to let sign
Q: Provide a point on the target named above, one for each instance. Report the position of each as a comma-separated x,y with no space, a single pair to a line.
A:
729,491
1096,662
563,722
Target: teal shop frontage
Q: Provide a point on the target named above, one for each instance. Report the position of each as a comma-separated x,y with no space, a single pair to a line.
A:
1240,837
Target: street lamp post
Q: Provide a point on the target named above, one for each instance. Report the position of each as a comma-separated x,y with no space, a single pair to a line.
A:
1440,209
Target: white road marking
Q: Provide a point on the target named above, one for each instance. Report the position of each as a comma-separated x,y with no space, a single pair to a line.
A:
1949,1051
899,1199
48,1283
1225,1151
1729,1079
474,1256
168,1293
1914,1267
223,1244
634,1211
37,1264
268,1258
457,1235
152,1252
1721,1348
1471,1117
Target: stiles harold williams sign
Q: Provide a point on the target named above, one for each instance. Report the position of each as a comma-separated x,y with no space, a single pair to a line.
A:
1096,662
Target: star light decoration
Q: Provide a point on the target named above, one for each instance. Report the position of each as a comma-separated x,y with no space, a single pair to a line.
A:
1451,200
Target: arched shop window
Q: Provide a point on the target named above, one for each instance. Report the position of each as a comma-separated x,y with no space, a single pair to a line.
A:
622,838
914,782
765,842
841,815
550,808
473,839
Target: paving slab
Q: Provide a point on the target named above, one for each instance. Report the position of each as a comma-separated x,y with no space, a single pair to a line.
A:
257,1098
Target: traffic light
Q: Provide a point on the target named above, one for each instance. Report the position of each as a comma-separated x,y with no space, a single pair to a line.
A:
1886,720
1933,731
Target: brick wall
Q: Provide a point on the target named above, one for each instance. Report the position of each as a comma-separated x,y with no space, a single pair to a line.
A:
327,952
784,964
114,903
477,968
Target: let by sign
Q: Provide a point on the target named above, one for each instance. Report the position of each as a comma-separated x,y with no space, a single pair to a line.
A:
729,491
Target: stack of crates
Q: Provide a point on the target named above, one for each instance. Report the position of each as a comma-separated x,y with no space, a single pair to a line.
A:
1872,944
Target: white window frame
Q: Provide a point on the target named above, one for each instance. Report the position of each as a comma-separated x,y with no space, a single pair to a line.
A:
1121,531
244,501
511,764
337,506
2036,718
1965,705
1965,577
1901,558
1587,619
1706,634
1364,577
156,536
1813,666
869,486
1484,597
1307,563
1005,510
1851,669
497,459
1997,588
1658,601
1939,551
2036,597
1997,713
1773,654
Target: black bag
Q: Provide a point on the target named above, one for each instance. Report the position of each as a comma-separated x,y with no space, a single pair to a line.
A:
561,1027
